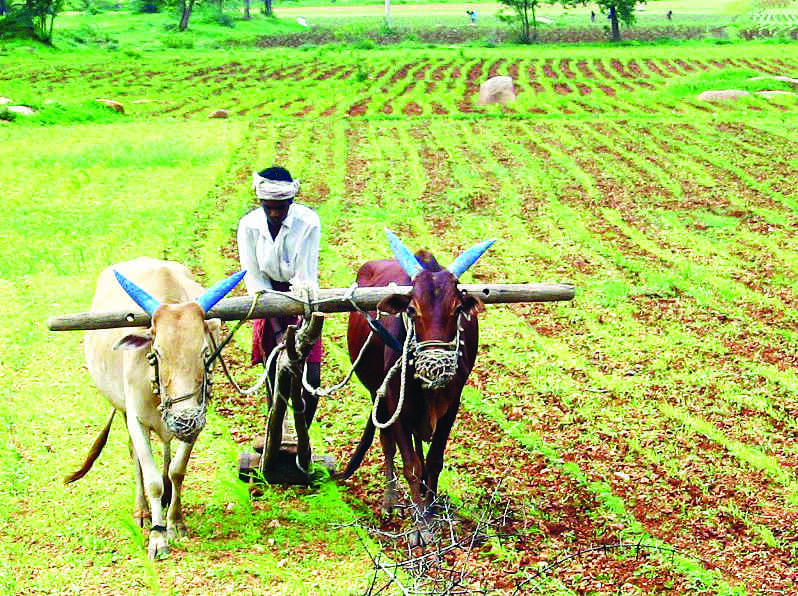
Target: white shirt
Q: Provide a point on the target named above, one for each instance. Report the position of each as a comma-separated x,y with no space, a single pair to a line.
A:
293,256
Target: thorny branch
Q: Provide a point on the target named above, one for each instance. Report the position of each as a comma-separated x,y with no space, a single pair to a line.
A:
439,567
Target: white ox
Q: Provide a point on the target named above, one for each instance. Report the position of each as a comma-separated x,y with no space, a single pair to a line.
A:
159,378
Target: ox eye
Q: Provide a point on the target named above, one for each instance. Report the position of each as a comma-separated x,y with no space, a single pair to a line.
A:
411,312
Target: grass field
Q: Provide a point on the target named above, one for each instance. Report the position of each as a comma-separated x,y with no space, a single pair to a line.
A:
658,407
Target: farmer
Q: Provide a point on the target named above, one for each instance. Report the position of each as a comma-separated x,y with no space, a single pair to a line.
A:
278,245
472,14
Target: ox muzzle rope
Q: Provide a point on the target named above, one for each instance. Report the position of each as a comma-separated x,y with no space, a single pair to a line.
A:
435,364
186,424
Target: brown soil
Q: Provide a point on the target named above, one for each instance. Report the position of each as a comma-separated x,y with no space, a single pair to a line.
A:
585,70
562,89
669,67
495,69
402,72
412,109
599,65
359,108
607,90
618,67
652,66
565,68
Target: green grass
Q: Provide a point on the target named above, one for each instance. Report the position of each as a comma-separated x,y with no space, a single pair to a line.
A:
675,220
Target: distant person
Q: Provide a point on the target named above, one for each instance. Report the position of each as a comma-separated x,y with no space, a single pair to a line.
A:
278,245
473,15
670,15
592,16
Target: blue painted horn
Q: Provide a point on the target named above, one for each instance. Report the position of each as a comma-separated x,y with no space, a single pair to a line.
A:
140,297
206,301
219,291
468,257
406,258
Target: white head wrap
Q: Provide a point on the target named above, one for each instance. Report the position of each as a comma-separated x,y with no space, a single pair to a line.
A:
273,190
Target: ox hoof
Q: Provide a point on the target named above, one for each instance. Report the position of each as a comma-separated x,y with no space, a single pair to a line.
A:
177,530
158,547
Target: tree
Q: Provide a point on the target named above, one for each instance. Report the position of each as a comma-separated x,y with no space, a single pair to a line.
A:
186,6
525,16
623,10
31,18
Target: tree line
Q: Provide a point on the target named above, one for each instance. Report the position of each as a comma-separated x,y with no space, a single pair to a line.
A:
35,18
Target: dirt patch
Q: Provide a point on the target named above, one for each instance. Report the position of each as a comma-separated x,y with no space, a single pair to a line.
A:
562,89
495,68
412,109
439,71
617,66
421,71
599,65
652,66
565,68
585,70
359,108
402,72
609,91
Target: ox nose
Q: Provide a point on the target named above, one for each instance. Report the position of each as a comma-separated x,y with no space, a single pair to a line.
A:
186,424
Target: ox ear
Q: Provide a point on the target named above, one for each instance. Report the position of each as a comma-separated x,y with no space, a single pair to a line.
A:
394,304
134,341
472,304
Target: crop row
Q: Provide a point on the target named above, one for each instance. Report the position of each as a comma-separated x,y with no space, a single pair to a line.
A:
662,403
386,87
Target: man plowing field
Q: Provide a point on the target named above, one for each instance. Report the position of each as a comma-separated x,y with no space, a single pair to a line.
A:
278,245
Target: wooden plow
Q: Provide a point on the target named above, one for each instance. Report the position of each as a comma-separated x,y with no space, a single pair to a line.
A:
289,462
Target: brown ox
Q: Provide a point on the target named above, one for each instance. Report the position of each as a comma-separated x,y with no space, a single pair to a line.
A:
159,378
438,333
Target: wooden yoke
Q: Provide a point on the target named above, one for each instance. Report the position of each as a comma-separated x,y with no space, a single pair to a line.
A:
274,464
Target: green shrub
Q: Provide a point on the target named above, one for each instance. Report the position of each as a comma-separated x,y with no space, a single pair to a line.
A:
7,115
178,41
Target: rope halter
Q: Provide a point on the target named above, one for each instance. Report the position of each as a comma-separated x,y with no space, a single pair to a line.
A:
188,422
435,360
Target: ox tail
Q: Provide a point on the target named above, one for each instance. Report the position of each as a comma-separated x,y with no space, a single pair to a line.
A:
357,457
94,453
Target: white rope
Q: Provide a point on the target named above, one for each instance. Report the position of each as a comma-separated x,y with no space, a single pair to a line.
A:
402,361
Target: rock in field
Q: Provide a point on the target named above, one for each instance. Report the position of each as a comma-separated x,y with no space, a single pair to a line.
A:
723,94
775,93
22,110
220,113
496,90
4,100
783,79
114,105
